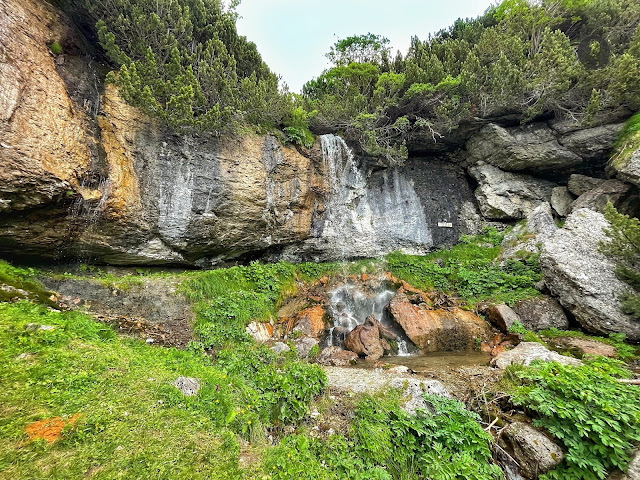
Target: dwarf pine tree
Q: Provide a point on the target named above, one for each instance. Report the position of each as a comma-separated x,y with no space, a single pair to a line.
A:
625,248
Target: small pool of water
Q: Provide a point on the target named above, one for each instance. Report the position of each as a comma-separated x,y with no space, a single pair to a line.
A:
440,360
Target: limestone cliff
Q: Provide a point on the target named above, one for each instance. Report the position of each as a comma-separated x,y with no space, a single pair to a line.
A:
83,175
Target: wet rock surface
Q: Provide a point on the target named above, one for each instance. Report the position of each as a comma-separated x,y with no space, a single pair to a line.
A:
439,329
336,356
502,316
365,340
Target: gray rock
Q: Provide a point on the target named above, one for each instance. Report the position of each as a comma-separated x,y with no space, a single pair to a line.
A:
280,347
304,345
540,313
508,196
336,356
592,144
608,191
627,167
583,279
527,352
532,147
535,452
502,316
189,386
528,236
414,388
579,184
561,200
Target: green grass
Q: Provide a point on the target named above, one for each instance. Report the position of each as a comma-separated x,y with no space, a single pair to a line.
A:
471,270
133,423
22,279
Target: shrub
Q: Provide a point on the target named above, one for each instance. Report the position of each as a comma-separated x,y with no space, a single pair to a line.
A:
594,416
55,48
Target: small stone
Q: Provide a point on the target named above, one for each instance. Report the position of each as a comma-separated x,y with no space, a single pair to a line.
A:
413,390
502,316
149,340
539,313
336,356
280,347
304,345
399,369
47,328
189,386
561,200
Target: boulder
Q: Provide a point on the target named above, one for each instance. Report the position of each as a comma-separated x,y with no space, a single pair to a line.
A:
414,388
508,196
583,279
188,386
528,236
535,452
261,332
613,191
304,345
532,147
593,145
438,329
527,352
561,200
540,313
310,322
365,340
502,316
585,346
579,184
280,347
337,357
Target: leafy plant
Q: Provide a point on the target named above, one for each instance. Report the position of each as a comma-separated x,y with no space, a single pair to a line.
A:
596,418
55,48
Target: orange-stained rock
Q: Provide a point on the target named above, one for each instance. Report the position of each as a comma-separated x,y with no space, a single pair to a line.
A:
586,346
311,322
440,329
365,340
49,429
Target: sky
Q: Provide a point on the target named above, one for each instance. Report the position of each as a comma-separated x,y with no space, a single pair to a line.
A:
293,36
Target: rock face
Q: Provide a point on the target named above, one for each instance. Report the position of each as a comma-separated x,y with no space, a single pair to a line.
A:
540,313
528,236
583,279
438,330
365,340
527,352
585,346
627,167
579,184
535,453
508,196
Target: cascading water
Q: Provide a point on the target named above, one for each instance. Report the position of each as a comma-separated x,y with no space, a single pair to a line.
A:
350,305
369,220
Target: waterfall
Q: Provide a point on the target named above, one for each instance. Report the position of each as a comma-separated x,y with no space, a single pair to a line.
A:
348,216
365,220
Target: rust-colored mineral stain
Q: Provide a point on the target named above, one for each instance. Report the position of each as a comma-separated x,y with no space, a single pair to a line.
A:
49,429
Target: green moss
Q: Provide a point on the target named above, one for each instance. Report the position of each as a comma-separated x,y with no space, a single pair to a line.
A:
628,142
21,283
55,48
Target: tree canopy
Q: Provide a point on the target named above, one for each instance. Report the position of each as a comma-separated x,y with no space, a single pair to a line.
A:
570,58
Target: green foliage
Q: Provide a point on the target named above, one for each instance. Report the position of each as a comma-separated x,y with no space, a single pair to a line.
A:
55,48
471,270
444,441
121,389
566,58
596,418
624,247
527,335
368,48
284,388
297,128
21,283
183,61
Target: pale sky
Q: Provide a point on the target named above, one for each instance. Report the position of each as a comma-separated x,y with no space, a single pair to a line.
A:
293,35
